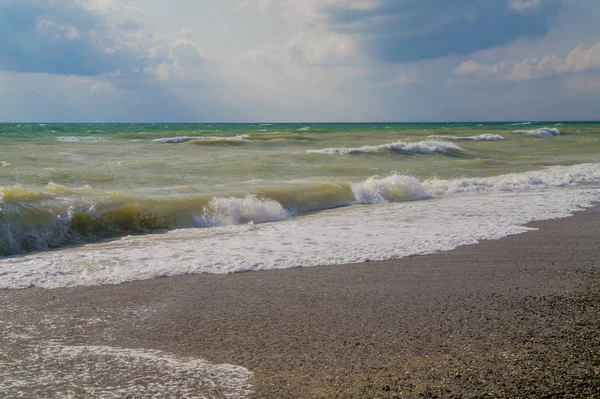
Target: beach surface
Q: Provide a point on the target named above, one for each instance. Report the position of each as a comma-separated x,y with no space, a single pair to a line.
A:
516,317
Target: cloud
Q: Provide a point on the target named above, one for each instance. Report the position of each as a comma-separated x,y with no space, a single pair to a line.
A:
309,48
524,5
44,38
579,59
408,30
582,59
474,68
533,67
399,31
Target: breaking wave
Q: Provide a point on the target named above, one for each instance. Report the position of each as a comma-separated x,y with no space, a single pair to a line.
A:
481,137
57,216
79,139
421,147
544,132
203,139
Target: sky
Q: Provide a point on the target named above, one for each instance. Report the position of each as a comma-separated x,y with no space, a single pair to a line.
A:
299,60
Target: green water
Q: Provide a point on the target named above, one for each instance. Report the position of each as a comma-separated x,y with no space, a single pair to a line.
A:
113,179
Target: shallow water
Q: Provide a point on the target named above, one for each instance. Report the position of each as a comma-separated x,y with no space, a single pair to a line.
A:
64,185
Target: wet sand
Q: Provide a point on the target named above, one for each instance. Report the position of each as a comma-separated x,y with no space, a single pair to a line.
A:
517,317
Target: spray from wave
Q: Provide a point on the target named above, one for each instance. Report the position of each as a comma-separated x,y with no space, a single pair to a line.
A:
58,216
542,132
519,124
481,137
79,139
203,139
421,147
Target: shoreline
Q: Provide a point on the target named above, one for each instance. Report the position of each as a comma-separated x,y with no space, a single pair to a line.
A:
511,317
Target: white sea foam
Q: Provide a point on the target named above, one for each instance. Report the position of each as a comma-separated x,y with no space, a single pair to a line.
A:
518,124
184,139
481,137
235,211
460,212
304,129
376,190
109,372
556,176
544,131
5,163
79,139
421,147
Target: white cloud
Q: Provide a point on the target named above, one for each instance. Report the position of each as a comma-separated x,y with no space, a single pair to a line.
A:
101,87
181,61
108,6
303,13
474,68
72,33
161,71
524,5
312,48
533,68
52,29
580,59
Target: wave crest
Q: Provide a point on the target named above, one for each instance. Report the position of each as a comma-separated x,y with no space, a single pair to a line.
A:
481,137
543,132
203,139
59,216
394,188
235,211
421,147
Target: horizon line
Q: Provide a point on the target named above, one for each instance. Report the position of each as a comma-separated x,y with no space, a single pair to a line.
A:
306,122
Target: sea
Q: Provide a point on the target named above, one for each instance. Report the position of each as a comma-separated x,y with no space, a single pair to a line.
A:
92,204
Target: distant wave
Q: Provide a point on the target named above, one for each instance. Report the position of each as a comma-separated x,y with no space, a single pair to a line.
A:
421,147
518,124
481,137
213,139
304,129
79,139
544,131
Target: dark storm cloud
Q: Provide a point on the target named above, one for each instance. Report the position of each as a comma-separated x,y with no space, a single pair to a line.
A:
412,30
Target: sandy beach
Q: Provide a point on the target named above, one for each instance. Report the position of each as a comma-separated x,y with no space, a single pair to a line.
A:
516,317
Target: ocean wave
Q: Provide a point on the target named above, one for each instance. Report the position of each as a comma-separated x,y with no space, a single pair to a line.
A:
394,188
481,137
304,129
519,124
555,176
544,132
358,234
57,216
79,139
421,147
235,211
203,139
